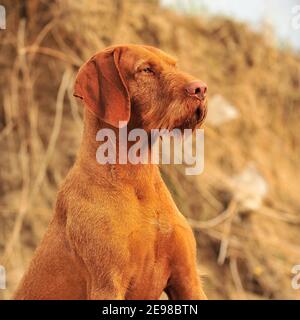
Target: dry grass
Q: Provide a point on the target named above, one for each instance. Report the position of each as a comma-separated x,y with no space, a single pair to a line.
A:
242,254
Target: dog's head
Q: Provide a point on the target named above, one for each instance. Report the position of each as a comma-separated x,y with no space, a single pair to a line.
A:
141,85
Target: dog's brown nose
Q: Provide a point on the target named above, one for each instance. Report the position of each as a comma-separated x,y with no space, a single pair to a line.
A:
196,88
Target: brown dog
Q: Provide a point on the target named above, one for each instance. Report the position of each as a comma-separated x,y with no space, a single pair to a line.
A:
116,232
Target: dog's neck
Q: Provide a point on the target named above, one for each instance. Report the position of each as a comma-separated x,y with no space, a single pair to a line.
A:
128,173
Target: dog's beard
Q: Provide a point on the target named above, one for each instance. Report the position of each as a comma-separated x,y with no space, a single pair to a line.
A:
187,115
180,114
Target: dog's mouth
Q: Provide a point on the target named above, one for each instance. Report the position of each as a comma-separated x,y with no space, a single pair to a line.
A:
199,114
196,119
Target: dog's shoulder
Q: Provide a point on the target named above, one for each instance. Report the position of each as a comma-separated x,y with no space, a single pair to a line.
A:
181,227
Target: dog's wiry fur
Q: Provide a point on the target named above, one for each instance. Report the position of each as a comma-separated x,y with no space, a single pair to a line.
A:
116,232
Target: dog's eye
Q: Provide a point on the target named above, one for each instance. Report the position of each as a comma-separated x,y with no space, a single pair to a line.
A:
147,70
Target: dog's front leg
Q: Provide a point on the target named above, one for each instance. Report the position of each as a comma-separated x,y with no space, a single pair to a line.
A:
185,287
184,282
105,293
105,282
100,256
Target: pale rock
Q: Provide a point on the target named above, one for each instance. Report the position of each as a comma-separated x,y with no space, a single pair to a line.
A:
220,111
249,188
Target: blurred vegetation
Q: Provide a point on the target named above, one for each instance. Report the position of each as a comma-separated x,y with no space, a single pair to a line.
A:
243,253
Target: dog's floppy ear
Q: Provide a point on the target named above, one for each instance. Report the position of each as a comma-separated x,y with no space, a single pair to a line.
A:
101,86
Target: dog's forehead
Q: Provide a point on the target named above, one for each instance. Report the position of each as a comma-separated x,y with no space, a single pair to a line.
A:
151,53
161,55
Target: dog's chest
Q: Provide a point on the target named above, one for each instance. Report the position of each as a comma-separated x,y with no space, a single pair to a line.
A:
153,224
150,253
152,232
